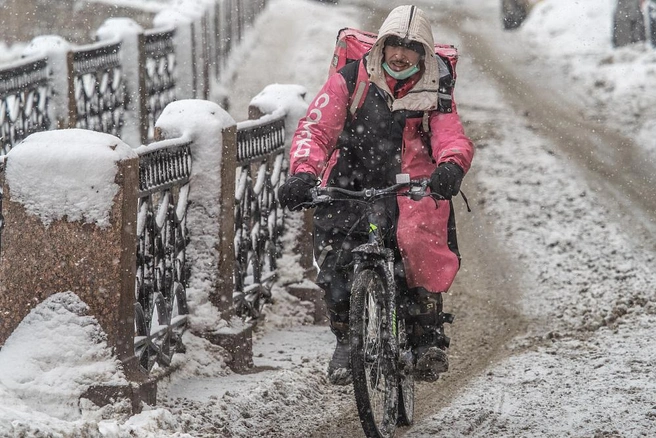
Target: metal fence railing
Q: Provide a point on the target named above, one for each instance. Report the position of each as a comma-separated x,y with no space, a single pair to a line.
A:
258,215
162,269
98,93
24,99
97,97
156,78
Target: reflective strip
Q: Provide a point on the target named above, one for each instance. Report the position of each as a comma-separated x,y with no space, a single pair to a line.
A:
425,125
357,97
324,254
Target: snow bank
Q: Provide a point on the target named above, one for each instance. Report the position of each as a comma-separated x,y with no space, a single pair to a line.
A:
52,357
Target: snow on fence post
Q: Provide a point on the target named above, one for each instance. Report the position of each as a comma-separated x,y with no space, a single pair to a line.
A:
69,210
55,49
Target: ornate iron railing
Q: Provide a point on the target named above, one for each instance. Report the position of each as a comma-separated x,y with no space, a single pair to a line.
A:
157,78
97,97
24,98
2,217
162,270
258,216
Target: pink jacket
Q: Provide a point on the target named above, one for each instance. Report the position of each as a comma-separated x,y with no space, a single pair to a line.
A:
421,229
422,226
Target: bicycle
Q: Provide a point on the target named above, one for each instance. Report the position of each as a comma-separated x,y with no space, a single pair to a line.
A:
381,356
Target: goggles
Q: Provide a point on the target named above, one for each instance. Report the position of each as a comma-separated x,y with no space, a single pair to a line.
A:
396,41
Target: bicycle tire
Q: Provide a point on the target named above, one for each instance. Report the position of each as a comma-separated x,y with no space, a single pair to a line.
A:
373,355
406,378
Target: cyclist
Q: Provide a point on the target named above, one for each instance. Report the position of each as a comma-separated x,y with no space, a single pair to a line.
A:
384,138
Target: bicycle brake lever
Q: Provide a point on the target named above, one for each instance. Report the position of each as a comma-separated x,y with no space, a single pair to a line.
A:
321,199
416,193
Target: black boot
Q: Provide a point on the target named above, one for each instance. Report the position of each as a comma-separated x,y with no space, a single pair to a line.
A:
426,334
339,368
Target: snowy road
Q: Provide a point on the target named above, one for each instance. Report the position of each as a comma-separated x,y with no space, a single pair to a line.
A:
554,323
553,328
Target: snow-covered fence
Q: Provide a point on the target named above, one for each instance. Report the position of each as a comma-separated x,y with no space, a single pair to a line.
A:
148,236
156,78
160,311
24,91
120,83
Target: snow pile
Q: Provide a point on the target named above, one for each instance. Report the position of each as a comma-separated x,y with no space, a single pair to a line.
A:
48,362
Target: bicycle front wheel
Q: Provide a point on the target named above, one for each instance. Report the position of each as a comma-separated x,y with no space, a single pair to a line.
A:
406,377
373,355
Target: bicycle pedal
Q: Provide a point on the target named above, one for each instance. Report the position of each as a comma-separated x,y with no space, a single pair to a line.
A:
447,341
446,318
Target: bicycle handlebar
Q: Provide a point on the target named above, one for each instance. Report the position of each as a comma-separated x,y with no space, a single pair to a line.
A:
417,189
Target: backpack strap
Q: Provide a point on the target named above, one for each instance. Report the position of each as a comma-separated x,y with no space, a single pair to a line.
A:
446,84
357,83
357,98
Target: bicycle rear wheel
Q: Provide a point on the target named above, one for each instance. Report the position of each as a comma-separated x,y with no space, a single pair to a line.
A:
373,356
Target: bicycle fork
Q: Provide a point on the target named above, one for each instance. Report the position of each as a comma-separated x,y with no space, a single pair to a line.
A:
376,256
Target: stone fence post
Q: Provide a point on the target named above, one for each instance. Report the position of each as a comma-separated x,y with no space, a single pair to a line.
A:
213,133
69,207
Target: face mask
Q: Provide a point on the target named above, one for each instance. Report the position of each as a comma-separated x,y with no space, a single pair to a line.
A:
400,75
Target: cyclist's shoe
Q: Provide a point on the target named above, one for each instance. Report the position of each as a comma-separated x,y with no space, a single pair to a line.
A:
339,368
431,362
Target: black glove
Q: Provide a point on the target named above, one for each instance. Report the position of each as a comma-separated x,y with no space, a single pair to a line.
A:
446,179
296,190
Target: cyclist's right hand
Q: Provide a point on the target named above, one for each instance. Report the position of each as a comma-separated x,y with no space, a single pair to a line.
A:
446,179
296,191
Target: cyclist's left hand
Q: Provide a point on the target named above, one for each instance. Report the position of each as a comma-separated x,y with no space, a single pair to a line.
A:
446,179
296,190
